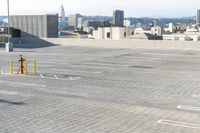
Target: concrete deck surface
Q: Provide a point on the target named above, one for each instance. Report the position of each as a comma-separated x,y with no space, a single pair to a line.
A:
92,89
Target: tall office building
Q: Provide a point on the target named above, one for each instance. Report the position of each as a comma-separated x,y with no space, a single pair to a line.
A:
80,23
118,18
198,17
73,20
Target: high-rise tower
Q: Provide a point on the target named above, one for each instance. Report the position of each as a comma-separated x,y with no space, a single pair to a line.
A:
198,17
118,18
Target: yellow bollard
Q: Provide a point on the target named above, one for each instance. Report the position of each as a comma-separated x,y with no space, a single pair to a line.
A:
34,67
11,66
25,68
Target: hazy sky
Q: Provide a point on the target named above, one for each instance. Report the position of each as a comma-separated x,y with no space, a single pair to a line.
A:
134,8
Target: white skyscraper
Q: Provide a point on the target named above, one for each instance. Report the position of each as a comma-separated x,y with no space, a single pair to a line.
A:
62,19
80,23
62,14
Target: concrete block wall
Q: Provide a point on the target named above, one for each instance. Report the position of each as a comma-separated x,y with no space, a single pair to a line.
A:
42,26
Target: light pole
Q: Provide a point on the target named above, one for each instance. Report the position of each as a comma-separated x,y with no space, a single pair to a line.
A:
8,7
9,45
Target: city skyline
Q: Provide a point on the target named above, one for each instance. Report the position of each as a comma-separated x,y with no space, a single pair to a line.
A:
142,8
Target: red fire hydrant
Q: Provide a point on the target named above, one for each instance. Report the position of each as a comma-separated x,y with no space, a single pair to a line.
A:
21,65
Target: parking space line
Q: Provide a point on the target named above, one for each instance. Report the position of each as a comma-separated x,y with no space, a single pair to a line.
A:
56,77
59,78
41,75
179,124
3,92
190,108
72,70
14,83
160,54
8,92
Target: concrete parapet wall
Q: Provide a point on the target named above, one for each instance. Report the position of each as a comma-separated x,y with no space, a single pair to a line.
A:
185,37
130,44
126,43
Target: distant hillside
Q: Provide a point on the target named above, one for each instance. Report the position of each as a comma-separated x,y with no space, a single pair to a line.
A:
162,21
146,20
192,17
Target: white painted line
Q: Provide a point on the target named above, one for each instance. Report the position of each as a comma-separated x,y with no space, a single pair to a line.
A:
190,108
8,93
29,84
2,92
56,77
105,64
186,49
147,58
72,70
13,83
179,124
196,96
97,72
77,78
2,72
41,75
160,54
70,78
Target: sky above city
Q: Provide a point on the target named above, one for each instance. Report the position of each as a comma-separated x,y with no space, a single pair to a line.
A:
132,8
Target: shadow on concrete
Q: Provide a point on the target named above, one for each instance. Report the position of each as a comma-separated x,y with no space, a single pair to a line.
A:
153,37
188,53
11,102
32,42
22,39
33,46
28,51
146,36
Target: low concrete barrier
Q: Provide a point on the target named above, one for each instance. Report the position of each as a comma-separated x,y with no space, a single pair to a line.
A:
126,43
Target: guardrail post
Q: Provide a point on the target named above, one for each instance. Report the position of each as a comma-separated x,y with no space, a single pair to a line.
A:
11,66
34,67
25,68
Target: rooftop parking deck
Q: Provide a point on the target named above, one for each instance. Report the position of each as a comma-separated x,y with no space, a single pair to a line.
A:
93,89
